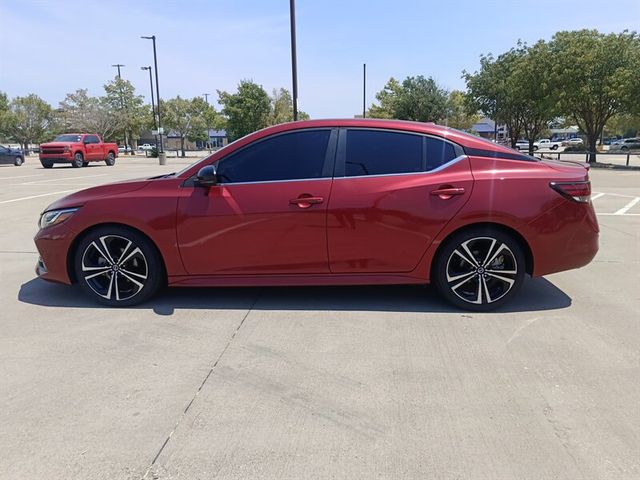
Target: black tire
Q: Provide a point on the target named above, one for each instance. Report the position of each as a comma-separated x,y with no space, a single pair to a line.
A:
484,280
554,147
18,161
84,164
535,149
47,164
110,160
78,160
110,279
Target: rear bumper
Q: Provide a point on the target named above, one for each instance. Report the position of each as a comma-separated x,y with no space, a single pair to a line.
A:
53,245
567,238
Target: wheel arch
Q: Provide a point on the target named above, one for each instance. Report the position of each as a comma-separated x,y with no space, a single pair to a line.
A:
526,248
76,241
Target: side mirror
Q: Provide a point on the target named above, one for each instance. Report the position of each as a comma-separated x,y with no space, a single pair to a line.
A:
207,176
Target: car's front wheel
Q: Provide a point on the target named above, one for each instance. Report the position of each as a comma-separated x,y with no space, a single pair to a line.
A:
78,160
117,266
479,269
18,161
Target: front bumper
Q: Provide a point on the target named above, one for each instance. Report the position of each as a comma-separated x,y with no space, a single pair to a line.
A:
53,244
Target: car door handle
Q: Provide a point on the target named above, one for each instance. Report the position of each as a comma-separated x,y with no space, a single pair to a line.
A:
446,192
305,201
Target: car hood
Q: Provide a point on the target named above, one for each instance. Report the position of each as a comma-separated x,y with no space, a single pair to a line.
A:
78,199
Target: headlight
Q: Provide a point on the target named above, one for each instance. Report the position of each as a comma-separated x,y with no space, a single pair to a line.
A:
54,217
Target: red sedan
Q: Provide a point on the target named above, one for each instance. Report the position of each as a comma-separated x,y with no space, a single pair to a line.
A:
329,202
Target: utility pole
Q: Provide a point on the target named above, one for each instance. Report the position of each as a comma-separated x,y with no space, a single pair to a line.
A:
294,62
364,90
206,99
118,65
162,157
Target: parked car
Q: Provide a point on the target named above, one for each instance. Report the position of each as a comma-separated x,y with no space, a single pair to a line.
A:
123,149
329,202
548,144
11,155
145,147
524,145
625,144
78,149
572,142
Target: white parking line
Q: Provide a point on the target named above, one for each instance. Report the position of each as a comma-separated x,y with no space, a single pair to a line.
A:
628,206
21,176
36,196
39,182
597,196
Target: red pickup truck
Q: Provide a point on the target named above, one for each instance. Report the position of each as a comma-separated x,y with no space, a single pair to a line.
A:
78,149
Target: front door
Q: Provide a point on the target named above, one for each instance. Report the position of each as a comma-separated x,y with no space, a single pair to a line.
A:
392,194
267,215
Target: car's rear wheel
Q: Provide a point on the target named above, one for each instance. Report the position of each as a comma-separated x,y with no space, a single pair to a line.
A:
18,161
78,160
554,147
117,266
479,269
111,160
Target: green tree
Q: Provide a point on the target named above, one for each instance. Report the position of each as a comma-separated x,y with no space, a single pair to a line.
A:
129,108
535,89
458,115
491,91
187,118
247,110
28,120
282,108
387,98
417,98
599,77
80,112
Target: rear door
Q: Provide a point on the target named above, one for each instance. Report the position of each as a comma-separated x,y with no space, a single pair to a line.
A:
268,213
392,194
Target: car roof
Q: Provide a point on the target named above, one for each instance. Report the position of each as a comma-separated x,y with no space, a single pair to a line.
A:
429,128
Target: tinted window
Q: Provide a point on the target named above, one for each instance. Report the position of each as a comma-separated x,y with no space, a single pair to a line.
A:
91,139
377,152
283,157
439,152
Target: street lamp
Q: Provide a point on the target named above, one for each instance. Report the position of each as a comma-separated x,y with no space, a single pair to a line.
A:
118,65
364,90
161,155
153,106
294,62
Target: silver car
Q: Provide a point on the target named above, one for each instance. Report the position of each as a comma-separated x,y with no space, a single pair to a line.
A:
625,145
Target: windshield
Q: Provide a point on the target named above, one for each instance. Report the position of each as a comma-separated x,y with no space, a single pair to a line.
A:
67,138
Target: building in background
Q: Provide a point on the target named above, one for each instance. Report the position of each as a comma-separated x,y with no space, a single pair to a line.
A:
486,128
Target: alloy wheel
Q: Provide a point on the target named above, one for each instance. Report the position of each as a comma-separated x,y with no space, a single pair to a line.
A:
114,267
481,270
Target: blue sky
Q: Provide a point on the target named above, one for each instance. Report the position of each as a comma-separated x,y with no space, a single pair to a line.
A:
52,47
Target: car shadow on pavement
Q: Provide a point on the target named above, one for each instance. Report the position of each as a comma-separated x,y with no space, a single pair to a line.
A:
536,294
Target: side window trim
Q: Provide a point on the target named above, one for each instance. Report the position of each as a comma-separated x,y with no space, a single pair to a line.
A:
327,167
341,157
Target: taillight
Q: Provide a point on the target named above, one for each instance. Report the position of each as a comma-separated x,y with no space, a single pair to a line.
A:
576,191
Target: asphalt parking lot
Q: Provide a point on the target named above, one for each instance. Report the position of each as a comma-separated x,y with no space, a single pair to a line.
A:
342,383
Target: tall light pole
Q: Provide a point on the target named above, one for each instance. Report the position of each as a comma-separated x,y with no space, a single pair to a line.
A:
161,155
153,105
364,90
118,65
206,99
294,62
